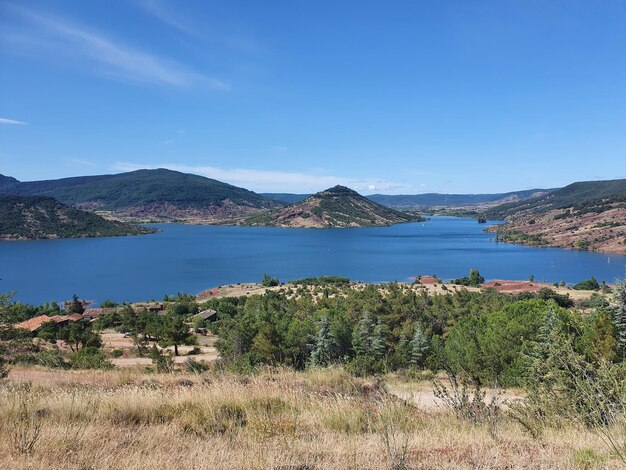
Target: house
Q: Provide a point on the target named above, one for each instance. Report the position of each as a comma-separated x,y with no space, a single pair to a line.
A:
152,307
33,324
93,313
208,314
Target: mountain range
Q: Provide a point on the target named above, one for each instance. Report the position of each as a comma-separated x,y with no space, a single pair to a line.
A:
430,200
585,215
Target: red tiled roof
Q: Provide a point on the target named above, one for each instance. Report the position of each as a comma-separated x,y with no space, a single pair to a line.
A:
35,323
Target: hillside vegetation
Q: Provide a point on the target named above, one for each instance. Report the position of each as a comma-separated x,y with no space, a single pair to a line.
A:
33,217
335,207
147,194
436,200
587,215
328,375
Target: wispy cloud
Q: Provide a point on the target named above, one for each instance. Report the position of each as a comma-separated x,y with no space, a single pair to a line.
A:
11,121
168,12
168,15
274,181
114,59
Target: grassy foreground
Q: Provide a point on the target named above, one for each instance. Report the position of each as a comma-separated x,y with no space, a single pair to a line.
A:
277,418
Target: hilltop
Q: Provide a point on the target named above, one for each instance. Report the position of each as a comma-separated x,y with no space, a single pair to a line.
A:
335,207
589,215
147,195
33,217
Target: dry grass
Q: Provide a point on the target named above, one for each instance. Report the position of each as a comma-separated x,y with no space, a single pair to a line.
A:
276,419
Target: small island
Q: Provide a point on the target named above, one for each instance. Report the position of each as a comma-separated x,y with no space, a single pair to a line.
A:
337,207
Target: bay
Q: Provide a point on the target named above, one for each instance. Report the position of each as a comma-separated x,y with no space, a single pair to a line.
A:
188,258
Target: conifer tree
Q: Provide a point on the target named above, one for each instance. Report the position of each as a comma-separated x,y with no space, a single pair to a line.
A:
362,338
378,348
619,316
419,347
323,344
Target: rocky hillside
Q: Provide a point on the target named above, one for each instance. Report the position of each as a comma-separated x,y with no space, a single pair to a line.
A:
147,195
588,215
33,217
335,207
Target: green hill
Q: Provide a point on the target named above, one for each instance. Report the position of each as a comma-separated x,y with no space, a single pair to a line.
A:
589,215
429,200
32,217
581,197
334,207
147,194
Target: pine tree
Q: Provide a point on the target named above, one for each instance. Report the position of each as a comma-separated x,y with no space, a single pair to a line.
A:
323,344
619,316
545,336
362,337
378,348
419,347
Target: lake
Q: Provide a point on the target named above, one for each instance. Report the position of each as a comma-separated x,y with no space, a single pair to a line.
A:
189,258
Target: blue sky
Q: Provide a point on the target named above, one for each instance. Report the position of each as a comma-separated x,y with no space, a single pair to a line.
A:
382,96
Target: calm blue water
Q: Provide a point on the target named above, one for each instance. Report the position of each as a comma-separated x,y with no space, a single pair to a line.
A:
187,258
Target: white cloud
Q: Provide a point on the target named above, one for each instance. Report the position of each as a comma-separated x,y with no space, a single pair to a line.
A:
273,181
11,121
164,13
116,60
168,12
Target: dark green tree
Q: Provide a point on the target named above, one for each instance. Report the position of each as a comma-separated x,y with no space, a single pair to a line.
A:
76,305
174,332
322,344
78,335
419,347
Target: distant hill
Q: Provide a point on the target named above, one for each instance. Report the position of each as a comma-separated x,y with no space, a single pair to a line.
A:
334,207
32,217
589,215
430,200
147,195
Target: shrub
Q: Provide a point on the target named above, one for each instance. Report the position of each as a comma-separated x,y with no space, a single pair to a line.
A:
25,423
164,363
196,367
194,351
363,365
91,358
589,284
117,352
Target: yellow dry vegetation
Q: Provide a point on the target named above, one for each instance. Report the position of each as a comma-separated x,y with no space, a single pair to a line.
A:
275,419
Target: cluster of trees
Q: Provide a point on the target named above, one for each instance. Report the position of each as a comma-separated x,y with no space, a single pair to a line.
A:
83,338
487,336
474,279
168,329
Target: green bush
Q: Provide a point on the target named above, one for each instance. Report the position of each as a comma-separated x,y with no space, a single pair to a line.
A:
196,367
589,284
90,358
